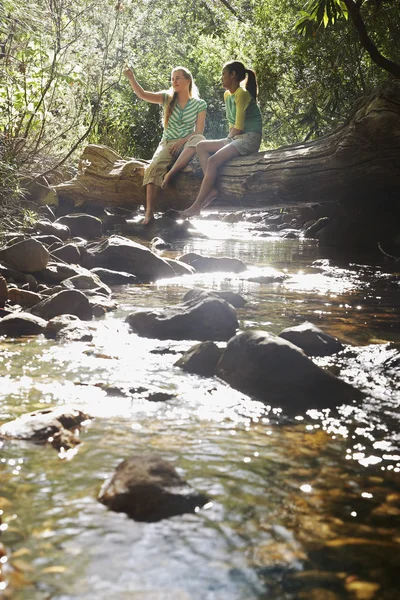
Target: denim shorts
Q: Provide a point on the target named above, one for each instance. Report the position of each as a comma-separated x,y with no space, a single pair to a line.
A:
245,143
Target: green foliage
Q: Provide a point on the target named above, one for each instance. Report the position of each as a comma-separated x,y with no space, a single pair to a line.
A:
320,12
62,61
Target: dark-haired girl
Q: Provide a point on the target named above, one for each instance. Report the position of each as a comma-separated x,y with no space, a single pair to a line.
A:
244,119
184,118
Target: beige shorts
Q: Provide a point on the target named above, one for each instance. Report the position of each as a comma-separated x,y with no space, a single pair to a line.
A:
245,143
162,159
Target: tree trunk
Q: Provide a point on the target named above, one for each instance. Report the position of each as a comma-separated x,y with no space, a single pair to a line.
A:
359,161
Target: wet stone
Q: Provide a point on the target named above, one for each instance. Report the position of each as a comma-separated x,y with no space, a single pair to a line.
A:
258,363
210,319
56,426
209,264
312,339
147,488
56,324
201,359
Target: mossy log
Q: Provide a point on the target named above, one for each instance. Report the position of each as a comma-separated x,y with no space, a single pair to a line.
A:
357,161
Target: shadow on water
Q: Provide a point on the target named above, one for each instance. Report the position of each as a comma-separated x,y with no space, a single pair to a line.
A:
302,507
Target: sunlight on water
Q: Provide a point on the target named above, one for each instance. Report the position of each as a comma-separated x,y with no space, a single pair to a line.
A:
299,507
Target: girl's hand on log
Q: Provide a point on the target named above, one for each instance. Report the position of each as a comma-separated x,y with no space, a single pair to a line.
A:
176,148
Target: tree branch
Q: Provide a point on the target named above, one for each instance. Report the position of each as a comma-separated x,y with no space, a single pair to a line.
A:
367,43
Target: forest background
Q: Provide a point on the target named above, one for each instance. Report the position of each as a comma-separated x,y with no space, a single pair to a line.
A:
61,63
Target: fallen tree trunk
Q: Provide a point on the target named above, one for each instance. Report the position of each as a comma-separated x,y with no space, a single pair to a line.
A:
357,161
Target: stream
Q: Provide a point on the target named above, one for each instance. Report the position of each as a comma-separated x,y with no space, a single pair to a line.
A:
301,507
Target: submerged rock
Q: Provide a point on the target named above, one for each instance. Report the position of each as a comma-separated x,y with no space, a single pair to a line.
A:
56,324
21,324
147,488
279,373
209,264
312,339
54,425
207,319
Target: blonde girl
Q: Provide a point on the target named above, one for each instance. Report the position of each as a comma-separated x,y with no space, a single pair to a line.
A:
184,120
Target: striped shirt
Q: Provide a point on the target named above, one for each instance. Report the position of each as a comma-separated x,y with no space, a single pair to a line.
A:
182,122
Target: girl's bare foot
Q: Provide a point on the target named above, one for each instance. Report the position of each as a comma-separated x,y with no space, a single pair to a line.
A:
196,207
148,218
192,211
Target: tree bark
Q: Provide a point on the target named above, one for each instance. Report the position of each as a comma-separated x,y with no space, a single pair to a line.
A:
358,161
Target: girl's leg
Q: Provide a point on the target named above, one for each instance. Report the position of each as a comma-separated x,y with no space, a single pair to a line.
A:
183,159
151,197
207,190
204,150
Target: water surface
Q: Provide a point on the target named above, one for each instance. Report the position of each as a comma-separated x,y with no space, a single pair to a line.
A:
300,507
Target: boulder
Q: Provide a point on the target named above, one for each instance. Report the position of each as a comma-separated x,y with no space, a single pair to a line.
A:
147,488
28,256
312,340
121,254
68,253
56,272
54,425
82,225
232,297
207,319
21,324
11,274
71,302
201,359
180,268
110,277
210,264
279,373
87,281
24,298
49,240
56,229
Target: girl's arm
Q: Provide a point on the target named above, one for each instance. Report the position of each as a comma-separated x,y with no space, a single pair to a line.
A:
153,97
242,101
234,131
200,123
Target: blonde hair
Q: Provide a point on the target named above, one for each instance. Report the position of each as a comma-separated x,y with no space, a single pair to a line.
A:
173,96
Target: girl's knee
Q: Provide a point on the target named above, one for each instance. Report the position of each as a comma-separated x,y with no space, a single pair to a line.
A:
201,146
